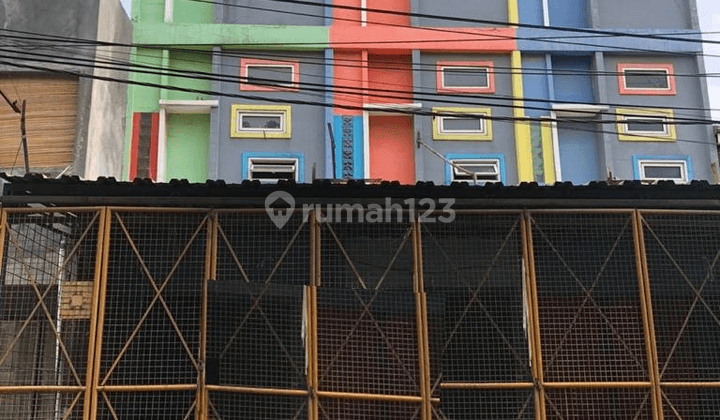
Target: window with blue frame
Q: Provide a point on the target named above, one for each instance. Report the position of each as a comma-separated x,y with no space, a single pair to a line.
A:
662,168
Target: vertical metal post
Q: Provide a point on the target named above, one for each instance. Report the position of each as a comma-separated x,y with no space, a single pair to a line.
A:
311,299
647,314
201,407
23,133
421,320
533,316
97,316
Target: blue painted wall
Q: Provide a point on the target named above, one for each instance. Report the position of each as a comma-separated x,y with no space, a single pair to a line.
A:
572,78
579,157
570,13
531,11
535,83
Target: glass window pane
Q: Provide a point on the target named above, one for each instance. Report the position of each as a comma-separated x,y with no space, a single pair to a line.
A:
463,124
465,77
270,75
663,172
261,122
646,79
646,125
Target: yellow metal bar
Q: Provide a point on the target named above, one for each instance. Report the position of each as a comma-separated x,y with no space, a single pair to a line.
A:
596,385
548,152
103,248
201,408
147,388
13,210
690,384
311,343
647,314
533,315
421,323
258,391
523,141
50,389
369,397
493,385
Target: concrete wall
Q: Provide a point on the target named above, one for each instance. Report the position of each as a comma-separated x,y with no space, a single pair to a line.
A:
102,153
261,12
308,121
692,140
659,14
495,10
503,142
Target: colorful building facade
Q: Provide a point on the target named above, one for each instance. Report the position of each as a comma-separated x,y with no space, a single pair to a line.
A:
418,90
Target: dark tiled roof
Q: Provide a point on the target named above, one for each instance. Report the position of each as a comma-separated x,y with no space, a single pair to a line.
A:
143,192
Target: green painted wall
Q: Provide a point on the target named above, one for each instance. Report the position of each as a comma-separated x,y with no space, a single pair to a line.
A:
242,36
191,61
148,11
187,147
145,99
188,11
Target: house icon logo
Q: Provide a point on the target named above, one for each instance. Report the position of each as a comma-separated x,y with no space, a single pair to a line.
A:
279,206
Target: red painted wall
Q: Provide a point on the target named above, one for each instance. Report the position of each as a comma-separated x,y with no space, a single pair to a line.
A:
392,74
392,152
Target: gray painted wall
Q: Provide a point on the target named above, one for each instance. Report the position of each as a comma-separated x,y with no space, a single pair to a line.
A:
308,121
692,140
101,105
262,12
496,10
433,168
103,154
659,14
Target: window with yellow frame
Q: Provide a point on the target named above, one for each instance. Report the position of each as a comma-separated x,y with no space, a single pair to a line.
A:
645,124
461,123
261,121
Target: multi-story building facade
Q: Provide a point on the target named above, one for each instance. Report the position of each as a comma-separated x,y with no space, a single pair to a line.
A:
53,59
433,91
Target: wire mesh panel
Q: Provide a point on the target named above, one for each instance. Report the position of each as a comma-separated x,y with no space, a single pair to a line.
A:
151,330
369,256
46,290
168,405
367,342
256,335
347,409
591,326
598,404
683,257
496,404
475,264
252,249
691,403
230,406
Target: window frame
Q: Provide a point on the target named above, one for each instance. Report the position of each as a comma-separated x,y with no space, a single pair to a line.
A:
440,67
666,67
238,110
294,86
440,134
625,134
247,157
640,162
496,159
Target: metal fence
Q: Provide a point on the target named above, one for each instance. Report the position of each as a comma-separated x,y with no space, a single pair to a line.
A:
129,313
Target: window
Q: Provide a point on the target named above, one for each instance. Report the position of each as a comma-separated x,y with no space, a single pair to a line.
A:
261,121
272,170
471,170
271,167
645,125
465,77
646,79
468,168
462,123
269,75
674,168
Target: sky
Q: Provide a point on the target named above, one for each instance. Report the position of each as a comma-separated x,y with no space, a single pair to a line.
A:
709,11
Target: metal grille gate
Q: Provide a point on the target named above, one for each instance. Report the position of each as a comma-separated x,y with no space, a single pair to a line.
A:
125,313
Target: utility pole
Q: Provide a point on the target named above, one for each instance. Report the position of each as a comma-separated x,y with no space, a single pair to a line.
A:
21,111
